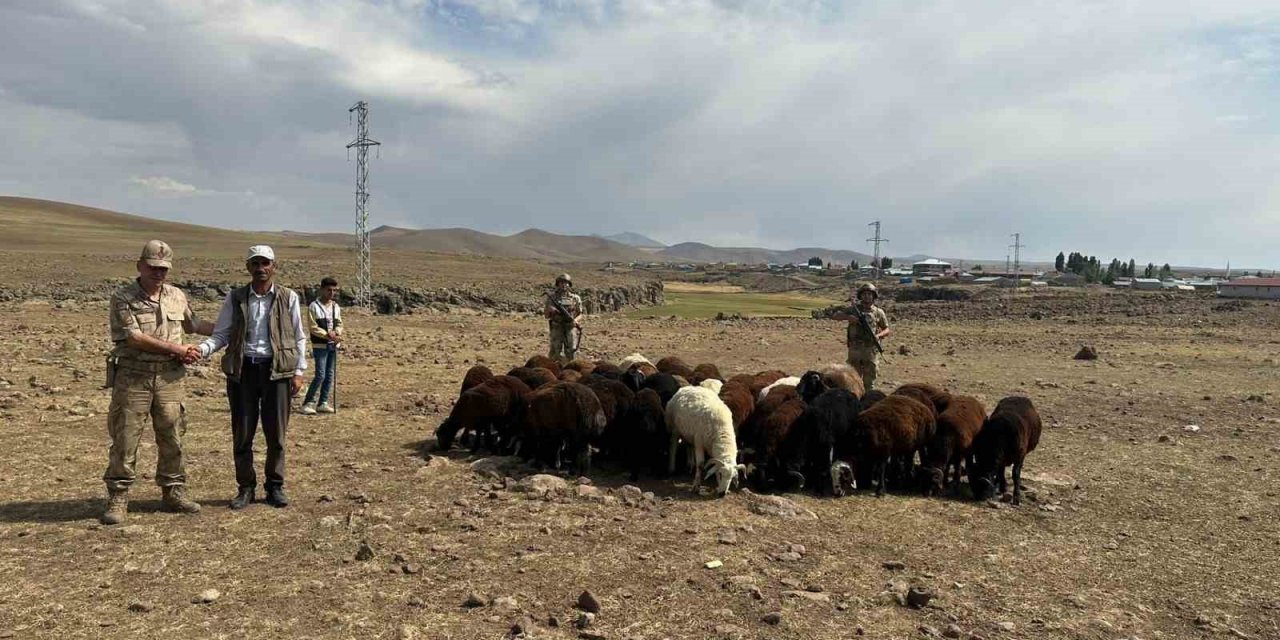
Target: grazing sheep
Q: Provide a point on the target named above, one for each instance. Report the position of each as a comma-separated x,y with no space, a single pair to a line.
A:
1012,431
737,396
843,376
749,433
633,378
764,379
632,360
475,375
615,397
896,426
768,434
569,375
534,377
489,411
937,396
645,368
700,418
544,362
957,428
746,380
560,415
809,450
664,383
705,371
789,381
675,366
584,367
641,435
712,384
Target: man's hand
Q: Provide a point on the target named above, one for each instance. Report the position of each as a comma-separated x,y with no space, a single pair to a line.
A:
191,355
295,385
334,337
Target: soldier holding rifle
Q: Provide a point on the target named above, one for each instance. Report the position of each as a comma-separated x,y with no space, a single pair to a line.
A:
868,325
563,311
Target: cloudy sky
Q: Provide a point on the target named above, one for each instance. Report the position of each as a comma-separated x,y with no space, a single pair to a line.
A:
1143,128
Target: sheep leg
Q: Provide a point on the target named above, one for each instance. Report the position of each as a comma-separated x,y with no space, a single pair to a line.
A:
1017,482
1004,486
882,466
671,457
695,460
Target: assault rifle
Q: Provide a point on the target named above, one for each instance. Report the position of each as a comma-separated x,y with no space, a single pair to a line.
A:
866,325
555,304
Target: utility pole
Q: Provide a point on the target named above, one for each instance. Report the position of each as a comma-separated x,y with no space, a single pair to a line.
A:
1017,247
875,261
364,283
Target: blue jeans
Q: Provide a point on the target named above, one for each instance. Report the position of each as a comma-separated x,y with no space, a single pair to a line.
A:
326,359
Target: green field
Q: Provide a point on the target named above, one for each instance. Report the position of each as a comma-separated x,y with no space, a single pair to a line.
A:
706,304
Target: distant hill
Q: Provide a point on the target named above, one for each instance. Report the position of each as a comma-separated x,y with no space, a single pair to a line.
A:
635,240
699,252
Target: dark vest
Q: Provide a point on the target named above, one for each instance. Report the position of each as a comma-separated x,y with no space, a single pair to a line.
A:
284,340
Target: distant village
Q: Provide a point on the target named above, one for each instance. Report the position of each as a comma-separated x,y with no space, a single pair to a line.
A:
933,271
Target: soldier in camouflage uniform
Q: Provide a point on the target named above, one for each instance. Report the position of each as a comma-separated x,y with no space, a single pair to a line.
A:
564,331
144,373
863,356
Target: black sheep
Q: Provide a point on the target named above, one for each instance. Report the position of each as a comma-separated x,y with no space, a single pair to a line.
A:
664,383
641,435
1012,431
560,415
490,411
809,452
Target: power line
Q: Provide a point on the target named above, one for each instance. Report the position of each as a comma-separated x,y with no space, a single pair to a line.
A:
364,284
1017,247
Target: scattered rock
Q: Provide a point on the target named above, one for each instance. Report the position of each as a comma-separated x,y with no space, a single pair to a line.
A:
591,635
777,506
904,350
928,631
1087,352
473,601
807,595
497,465
407,632
139,606
585,620
588,602
788,556
727,537
542,485
952,631
1007,627
773,618
918,597
415,601
410,569
589,492
365,552
714,564
505,603
208,596
894,565
1192,428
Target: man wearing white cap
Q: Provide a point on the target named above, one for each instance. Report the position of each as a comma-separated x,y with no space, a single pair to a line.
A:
261,327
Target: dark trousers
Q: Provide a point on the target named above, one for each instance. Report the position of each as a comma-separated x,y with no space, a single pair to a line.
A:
257,395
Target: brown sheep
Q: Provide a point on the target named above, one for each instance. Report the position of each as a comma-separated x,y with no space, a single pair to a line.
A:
1012,431
544,362
705,371
957,428
569,375
645,368
584,367
766,378
533,376
490,411
897,426
675,366
748,433
475,375
560,415
873,396
740,401
937,396
769,439
745,379
607,369
843,376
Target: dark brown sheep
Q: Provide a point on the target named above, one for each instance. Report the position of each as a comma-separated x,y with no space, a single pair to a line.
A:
1012,432
544,362
766,378
562,415
769,439
705,371
897,426
675,366
607,369
873,396
641,435
937,396
569,375
490,411
749,432
534,377
645,368
475,375
957,428
740,400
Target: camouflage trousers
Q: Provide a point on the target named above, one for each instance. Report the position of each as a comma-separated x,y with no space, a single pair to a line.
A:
564,342
866,361
139,396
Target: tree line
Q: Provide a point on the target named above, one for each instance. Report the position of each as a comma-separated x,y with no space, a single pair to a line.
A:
1091,269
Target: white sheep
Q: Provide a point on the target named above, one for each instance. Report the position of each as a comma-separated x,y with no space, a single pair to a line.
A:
632,360
699,417
712,384
789,381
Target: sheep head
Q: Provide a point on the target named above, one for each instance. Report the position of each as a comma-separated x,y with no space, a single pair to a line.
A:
723,475
810,386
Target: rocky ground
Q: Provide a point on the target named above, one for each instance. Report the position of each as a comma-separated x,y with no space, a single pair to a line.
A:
1153,511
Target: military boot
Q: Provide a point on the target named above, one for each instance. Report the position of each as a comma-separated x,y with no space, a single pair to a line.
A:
117,506
175,500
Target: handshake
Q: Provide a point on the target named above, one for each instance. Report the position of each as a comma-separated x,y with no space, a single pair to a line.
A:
189,354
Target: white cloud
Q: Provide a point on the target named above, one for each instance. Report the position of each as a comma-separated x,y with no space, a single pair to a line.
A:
165,185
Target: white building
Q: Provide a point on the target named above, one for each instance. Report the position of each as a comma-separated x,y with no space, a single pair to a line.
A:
930,267
1268,288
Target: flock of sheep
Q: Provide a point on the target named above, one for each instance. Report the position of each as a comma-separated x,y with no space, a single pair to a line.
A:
774,431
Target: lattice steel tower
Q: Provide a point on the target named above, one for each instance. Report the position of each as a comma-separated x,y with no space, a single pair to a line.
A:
364,283
875,261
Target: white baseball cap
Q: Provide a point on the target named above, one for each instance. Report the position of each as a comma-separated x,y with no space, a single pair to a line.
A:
261,251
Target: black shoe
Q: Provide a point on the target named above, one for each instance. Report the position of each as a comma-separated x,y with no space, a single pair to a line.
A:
243,498
276,497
